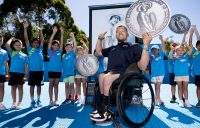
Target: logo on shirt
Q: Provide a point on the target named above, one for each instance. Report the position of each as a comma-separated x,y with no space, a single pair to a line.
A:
183,60
58,54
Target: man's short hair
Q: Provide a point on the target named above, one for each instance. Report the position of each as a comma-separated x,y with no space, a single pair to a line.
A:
122,26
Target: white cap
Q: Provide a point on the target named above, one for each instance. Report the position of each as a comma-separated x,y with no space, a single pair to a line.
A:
155,46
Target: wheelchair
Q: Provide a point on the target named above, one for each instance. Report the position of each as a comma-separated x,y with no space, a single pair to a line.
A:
133,96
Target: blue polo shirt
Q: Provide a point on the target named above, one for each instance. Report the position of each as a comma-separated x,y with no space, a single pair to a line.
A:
157,64
18,61
101,66
54,60
121,56
69,64
35,59
196,61
181,65
3,58
170,63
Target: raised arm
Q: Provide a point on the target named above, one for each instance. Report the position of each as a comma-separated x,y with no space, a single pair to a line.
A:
74,39
25,24
189,48
61,37
191,35
86,50
101,39
197,33
171,51
8,44
184,36
144,60
55,29
163,42
41,37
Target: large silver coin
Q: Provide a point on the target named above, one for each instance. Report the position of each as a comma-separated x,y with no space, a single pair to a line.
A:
150,16
87,65
179,23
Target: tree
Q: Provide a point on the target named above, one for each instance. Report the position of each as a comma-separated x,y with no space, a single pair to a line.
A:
39,13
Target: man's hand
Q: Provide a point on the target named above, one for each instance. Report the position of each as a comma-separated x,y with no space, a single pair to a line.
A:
102,36
147,39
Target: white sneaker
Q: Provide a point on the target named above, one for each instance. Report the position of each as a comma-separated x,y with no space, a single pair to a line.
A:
14,105
93,113
83,100
187,104
19,106
2,107
181,103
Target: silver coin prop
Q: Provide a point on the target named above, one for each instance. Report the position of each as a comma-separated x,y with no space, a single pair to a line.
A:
179,23
151,16
87,65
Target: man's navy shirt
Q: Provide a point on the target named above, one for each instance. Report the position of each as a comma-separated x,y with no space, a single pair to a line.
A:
121,56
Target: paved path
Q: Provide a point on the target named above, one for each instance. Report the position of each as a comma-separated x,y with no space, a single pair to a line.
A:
67,116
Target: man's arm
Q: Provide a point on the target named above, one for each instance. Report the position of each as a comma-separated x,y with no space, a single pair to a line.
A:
100,40
144,60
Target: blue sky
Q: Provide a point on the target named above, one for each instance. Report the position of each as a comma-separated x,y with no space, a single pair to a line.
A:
80,13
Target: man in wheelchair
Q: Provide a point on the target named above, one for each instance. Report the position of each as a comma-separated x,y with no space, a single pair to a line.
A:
119,58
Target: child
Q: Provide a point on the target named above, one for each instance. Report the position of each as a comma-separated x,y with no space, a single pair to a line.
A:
18,68
157,69
36,65
69,64
181,71
196,61
54,69
3,72
79,78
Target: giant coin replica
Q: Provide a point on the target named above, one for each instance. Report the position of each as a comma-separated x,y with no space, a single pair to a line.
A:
151,16
179,23
87,65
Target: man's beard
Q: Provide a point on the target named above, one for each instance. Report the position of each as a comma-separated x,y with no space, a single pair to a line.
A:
121,40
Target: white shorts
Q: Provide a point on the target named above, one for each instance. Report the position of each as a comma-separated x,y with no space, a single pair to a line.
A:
157,79
181,78
80,76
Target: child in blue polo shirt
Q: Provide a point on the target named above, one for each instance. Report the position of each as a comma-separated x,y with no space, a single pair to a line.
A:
18,68
3,72
35,64
196,61
181,70
68,66
157,68
54,69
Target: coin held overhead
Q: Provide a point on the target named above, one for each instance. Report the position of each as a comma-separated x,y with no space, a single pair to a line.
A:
147,16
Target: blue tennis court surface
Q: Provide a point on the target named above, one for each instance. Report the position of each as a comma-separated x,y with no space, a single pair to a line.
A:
68,116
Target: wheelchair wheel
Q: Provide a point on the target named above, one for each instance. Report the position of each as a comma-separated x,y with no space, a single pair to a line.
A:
135,100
